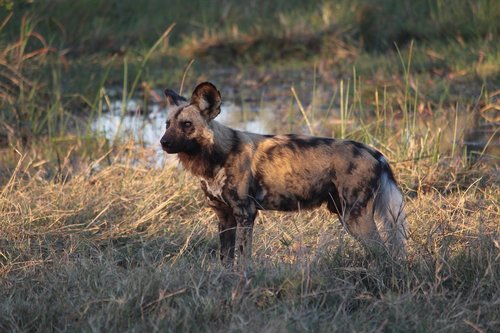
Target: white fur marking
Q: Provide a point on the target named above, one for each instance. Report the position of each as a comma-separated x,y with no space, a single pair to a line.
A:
203,104
216,184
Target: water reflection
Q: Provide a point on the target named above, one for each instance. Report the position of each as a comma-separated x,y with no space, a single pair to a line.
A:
147,129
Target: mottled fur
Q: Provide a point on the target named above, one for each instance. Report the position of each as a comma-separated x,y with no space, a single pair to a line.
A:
243,172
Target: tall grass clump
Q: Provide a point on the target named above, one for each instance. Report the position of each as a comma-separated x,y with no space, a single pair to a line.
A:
30,104
36,103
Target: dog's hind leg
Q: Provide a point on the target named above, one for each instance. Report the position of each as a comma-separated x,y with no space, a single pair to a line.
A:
364,229
360,223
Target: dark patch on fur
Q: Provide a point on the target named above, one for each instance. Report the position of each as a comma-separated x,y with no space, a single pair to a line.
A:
387,169
381,161
235,143
232,194
354,196
333,202
176,115
375,176
209,98
359,145
287,203
174,97
317,195
294,144
377,155
203,162
191,147
351,167
298,143
217,157
356,152
373,152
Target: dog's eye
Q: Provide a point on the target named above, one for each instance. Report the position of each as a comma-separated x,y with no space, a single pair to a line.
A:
187,124
168,123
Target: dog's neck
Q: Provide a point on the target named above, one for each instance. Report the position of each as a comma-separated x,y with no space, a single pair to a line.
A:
210,158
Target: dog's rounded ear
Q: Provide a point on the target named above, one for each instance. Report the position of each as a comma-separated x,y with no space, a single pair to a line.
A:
207,98
174,98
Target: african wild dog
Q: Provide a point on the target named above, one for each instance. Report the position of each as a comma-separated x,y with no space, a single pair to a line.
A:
243,172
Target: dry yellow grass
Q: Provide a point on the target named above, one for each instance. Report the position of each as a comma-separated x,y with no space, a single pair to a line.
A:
124,247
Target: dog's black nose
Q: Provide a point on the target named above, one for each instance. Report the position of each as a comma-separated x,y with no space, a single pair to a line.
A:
164,142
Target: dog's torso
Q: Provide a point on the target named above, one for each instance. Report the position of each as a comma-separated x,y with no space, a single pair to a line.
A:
292,172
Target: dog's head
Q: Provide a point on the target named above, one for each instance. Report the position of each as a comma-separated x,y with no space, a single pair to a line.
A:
187,127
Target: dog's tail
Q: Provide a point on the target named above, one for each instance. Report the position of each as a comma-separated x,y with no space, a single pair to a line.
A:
389,213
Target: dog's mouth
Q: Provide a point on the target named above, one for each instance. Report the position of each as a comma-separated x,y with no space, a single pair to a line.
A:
174,147
168,145
169,149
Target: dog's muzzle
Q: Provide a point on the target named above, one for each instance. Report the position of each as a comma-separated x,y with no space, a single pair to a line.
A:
167,145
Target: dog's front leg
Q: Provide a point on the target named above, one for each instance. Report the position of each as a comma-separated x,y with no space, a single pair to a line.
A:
227,232
245,216
227,226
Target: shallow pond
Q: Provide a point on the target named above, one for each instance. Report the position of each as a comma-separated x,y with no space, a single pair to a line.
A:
146,129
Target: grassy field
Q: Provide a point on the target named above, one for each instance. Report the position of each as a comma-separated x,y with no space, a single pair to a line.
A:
95,238
120,247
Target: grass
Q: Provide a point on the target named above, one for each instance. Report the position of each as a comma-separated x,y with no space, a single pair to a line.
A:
121,247
93,238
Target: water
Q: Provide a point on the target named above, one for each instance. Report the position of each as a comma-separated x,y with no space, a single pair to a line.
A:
147,129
